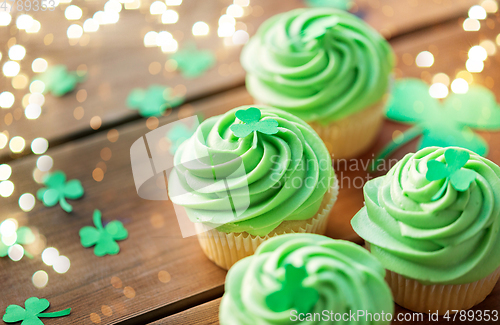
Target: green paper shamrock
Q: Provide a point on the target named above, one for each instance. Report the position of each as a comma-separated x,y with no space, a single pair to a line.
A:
24,236
33,312
293,294
177,135
193,62
58,190
338,4
104,238
153,101
452,171
58,80
251,118
442,124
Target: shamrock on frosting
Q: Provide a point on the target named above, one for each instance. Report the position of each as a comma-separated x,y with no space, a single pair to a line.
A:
23,236
452,171
104,238
252,123
293,293
58,80
153,101
58,190
193,62
441,124
31,314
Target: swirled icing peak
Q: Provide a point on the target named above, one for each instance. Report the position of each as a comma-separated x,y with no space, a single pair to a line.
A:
320,64
435,216
251,169
306,274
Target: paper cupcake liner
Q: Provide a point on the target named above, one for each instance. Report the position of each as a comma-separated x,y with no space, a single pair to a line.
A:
225,249
353,134
413,295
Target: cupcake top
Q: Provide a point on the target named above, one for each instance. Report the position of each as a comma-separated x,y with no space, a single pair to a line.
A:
251,169
291,276
320,64
435,216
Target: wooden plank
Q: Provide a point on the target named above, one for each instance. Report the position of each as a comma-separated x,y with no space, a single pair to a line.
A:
207,314
117,61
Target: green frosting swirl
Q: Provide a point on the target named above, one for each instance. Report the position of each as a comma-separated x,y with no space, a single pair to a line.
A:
345,276
452,240
320,64
268,178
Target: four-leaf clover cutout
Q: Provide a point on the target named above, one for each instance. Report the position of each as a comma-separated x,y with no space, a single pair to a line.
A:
452,171
23,236
193,62
293,293
154,101
252,123
58,190
58,80
31,314
104,238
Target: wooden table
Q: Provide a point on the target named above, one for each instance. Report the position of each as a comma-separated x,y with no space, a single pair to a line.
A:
159,277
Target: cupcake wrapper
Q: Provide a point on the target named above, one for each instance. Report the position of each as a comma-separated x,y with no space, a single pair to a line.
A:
353,134
225,249
415,296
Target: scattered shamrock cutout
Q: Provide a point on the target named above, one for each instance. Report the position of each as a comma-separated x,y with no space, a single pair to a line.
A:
23,236
178,134
192,62
338,4
58,190
31,314
452,170
252,123
293,294
154,101
442,124
58,80
104,238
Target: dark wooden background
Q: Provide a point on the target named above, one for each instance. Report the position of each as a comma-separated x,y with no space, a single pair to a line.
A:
158,276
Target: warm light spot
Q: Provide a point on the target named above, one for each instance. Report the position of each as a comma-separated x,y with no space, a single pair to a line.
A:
478,53
61,264
157,220
95,318
489,82
474,66
243,3
491,6
78,113
113,5
424,59
154,68
164,276
44,163
81,95
17,144
26,202
39,146
116,282
98,174
163,38
471,25
8,119
6,188
32,111
226,30
459,86
37,86
240,37
4,139
438,90
200,28
396,136
152,122
5,18
106,310
73,12
171,65
95,122
7,99
173,2
74,31
90,25
227,19
24,21
170,47
113,135
35,27
477,12
441,78
157,8
105,154
5,171
102,165
39,65
20,81
8,227
129,292
40,279
16,252
11,68
132,4
489,46
50,255
169,17
235,10
36,98
150,39
467,76
180,90
47,39
17,52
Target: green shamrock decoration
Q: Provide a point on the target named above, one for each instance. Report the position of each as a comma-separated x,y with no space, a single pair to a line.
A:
442,124
58,80
33,312
58,190
154,101
338,4
192,62
293,293
178,134
251,118
24,236
452,171
104,238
